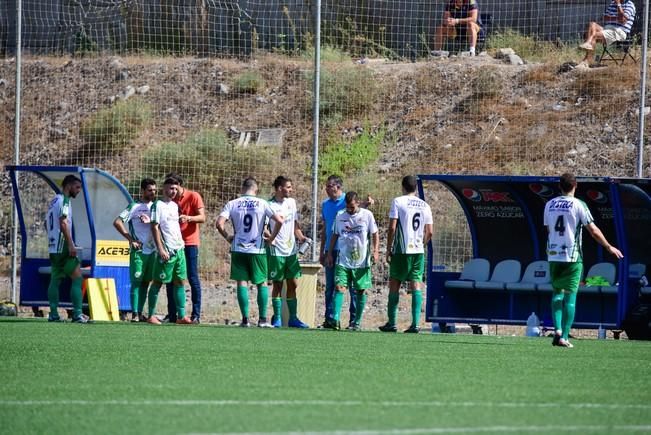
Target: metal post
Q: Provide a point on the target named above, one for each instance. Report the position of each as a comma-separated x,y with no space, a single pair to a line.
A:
315,123
14,235
640,135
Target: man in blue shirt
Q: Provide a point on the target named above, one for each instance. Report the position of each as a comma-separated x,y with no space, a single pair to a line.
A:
329,209
618,21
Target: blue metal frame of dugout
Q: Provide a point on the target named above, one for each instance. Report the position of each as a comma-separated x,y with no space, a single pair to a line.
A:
101,200
505,219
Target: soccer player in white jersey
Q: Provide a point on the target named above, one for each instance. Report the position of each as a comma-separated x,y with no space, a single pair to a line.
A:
141,245
63,254
564,218
169,265
248,257
357,233
282,254
410,229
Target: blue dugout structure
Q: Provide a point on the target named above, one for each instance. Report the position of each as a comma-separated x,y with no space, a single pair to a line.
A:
505,220
104,253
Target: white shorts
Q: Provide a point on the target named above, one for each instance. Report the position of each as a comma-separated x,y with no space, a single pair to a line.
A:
613,34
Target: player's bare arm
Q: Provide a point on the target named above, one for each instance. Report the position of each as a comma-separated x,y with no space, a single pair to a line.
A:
599,237
119,226
279,220
375,239
220,225
63,224
162,252
393,224
429,230
329,261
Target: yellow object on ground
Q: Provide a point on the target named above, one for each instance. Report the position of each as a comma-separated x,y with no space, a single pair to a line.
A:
102,299
305,293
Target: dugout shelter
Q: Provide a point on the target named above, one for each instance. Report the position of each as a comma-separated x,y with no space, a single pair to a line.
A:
504,217
103,251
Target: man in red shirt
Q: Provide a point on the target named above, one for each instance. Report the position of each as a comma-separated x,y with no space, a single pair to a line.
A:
191,214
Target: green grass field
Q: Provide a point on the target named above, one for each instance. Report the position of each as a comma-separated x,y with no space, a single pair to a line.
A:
130,378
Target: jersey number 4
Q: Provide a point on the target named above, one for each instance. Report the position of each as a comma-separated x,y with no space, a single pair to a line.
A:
559,226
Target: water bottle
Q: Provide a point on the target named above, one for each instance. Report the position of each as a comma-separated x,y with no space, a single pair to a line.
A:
533,326
601,333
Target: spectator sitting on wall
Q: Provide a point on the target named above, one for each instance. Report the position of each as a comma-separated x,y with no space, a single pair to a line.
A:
460,17
618,20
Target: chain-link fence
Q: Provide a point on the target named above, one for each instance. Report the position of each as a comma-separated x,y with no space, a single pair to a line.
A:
221,90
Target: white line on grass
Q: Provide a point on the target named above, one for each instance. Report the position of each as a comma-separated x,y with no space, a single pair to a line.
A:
218,403
483,429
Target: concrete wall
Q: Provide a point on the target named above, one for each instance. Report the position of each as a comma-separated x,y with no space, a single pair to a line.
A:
235,27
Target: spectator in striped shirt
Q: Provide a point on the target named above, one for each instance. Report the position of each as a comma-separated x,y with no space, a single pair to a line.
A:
618,20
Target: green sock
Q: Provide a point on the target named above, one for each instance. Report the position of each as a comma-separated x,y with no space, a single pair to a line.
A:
53,296
179,298
277,304
416,304
569,308
557,310
338,301
135,297
142,296
291,307
392,308
243,299
263,297
76,296
359,309
152,298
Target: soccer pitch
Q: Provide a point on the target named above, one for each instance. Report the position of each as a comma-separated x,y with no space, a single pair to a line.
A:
136,378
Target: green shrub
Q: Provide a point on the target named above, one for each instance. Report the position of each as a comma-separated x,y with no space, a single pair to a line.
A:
532,49
343,158
328,54
350,90
212,164
249,82
112,129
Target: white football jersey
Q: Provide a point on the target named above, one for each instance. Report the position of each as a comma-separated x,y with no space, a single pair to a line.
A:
564,217
166,215
137,229
60,207
284,244
247,214
354,238
412,214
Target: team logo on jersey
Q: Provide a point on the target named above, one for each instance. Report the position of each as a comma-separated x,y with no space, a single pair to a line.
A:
471,194
162,275
273,274
597,196
541,190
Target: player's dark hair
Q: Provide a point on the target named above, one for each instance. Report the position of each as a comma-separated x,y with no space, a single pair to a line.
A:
69,179
409,183
335,179
249,183
171,181
146,182
567,182
176,176
351,196
280,181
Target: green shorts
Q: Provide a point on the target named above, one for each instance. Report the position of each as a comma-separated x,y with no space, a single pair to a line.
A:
63,265
174,270
249,267
565,276
407,267
282,268
140,266
360,278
